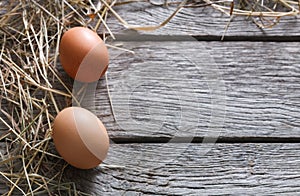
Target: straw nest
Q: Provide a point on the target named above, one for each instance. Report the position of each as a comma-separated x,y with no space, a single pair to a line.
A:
33,91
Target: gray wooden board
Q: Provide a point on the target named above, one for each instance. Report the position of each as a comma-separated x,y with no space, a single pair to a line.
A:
182,169
202,89
189,89
197,21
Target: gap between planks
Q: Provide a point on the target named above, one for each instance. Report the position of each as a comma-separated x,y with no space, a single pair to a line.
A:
195,140
133,36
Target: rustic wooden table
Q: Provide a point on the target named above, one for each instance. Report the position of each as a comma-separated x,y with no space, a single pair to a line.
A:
175,96
194,115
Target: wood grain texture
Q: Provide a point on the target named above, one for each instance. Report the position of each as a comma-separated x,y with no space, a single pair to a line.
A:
197,21
192,89
182,169
200,89
181,90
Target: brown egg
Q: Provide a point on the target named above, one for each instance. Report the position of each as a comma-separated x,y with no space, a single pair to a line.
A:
83,54
80,137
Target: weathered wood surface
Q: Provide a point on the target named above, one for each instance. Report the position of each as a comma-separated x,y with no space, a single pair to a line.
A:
179,169
173,83
231,89
200,22
198,89
201,89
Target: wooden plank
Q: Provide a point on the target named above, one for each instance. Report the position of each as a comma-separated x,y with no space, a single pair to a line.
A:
198,21
232,89
182,169
200,89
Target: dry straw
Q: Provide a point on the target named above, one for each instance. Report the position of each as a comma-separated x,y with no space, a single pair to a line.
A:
33,91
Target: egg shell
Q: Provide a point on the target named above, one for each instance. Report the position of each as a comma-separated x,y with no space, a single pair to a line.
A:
83,54
80,137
